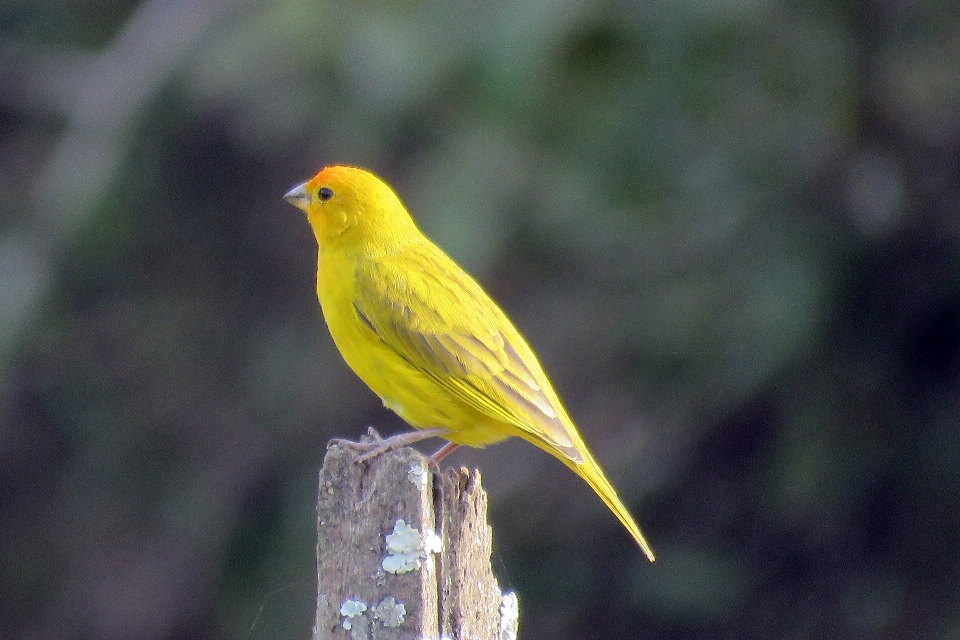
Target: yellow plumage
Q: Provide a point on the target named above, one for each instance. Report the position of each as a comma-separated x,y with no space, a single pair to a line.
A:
425,337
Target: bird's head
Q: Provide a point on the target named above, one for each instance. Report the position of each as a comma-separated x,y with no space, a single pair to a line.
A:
352,208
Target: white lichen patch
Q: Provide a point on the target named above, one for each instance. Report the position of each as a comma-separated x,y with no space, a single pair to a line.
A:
407,549
404,549
509,616
389,612
432,543
418,475
349,610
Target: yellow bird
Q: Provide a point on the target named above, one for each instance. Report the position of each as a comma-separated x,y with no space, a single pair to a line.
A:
426,338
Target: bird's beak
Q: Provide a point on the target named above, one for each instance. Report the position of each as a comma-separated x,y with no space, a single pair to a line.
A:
298,196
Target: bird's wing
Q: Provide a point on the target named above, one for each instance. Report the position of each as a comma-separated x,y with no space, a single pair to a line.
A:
437,318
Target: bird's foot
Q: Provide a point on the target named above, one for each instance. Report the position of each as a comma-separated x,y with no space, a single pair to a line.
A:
368,442
373,444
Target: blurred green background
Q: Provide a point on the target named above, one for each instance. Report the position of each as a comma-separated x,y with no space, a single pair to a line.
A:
731,230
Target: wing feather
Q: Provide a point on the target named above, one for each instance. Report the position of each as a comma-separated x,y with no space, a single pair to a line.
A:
414,303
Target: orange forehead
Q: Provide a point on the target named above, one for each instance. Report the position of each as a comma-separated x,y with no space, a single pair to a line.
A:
338,173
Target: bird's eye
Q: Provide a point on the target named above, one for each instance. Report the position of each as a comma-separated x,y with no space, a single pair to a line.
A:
324,194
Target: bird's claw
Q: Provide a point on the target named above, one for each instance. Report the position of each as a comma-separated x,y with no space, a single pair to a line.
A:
371,444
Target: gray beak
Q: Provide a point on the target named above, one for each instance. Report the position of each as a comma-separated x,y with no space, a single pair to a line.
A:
298,196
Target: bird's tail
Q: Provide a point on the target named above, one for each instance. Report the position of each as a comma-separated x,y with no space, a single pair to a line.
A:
590,471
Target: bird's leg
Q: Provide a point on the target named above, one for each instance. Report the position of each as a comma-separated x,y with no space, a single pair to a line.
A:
374,444
443,452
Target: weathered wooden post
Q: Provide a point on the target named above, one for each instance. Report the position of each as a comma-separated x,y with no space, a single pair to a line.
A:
402,553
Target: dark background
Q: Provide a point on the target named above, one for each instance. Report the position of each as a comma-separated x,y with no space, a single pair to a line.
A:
730,230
